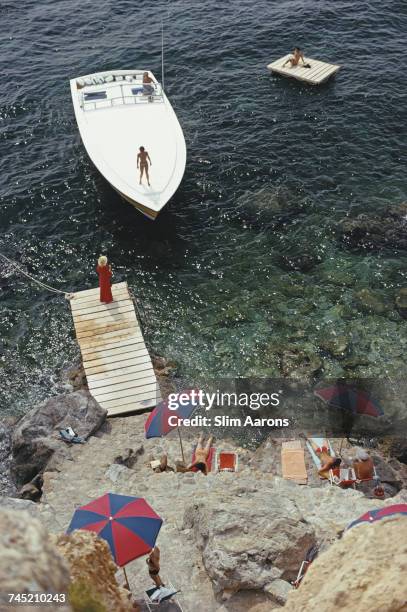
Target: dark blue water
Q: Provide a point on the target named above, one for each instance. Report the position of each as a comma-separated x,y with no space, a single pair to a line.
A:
273,166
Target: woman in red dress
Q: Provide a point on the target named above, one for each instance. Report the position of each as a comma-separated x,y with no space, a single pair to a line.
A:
105,272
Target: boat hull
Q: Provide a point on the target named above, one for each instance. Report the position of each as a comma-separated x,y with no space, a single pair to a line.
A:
147,212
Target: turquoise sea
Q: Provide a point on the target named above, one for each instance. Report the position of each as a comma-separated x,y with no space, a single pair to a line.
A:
273,167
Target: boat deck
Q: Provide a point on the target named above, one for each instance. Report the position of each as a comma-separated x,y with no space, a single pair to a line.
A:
317,74
117,364
116,114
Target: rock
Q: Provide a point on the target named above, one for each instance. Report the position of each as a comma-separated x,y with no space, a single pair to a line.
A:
130,456
18,504
303,263
30,491
398,449
267,456
115,471
279,590
270,207
6,485
386,472
341,278
272,547
355,361
370,302
163,366
401,302
75,377
92,571
375,232
337,346
28,559
225,532
300,363
35,440
368,562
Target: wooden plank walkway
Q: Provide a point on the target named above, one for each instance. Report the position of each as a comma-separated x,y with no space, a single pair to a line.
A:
317,74
117,364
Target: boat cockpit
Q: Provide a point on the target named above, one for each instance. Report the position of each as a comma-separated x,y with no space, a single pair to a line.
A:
110,89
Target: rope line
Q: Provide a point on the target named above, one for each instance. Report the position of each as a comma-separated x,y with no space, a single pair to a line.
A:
34,280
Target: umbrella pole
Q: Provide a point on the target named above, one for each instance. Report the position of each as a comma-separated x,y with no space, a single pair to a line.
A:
125,576
182,448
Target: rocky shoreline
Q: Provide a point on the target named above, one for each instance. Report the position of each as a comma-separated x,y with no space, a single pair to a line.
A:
230,542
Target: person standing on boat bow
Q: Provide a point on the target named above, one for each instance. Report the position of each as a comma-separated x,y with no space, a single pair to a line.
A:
105,272
142,161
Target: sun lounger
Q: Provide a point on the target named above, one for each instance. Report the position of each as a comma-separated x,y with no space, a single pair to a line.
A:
156,597
209,462
309,558
319,443
373,477
227,461
293,462
342,477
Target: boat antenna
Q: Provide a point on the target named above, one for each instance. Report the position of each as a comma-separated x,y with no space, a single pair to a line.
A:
162,53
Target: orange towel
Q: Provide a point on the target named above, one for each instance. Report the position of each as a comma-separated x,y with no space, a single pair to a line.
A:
227,461
293,462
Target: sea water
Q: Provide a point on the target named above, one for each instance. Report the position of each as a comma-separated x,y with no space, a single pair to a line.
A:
273,166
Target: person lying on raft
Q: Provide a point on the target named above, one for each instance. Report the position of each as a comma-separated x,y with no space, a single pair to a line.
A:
201,455
328,461
295,59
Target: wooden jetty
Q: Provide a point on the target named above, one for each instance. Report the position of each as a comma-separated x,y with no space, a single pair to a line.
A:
317,74
117,364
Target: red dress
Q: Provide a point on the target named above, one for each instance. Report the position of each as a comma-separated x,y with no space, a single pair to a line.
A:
104,283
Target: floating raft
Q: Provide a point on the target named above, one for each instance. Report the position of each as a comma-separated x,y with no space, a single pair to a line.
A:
117,364
317,74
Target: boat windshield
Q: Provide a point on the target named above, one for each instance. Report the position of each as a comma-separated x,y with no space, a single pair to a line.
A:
117,90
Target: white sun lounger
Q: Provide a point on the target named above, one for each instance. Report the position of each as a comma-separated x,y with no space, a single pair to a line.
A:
319,442
154,599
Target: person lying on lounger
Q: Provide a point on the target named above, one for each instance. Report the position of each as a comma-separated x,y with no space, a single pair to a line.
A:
328,461
329,464
201,455
295,59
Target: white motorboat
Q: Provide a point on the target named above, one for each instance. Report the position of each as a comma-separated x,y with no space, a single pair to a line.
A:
116,114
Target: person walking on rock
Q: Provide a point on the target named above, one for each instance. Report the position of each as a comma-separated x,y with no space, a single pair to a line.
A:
153,562
105,272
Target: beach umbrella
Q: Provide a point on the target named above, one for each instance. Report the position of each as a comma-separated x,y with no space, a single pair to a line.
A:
376,515
158,423
345,398
128,524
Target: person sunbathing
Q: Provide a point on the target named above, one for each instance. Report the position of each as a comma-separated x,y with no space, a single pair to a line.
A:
295,59
328,461
363,465
201,455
